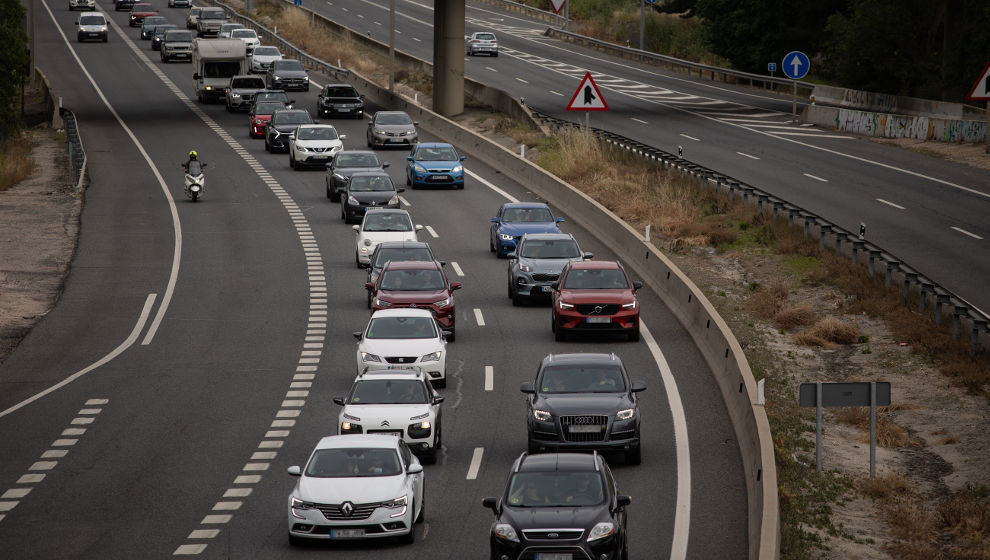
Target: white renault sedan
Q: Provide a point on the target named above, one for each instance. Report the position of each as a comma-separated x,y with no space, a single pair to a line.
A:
397,402
357,487
382,224
314,145
403,338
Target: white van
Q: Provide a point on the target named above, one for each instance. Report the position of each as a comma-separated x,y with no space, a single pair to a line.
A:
92,25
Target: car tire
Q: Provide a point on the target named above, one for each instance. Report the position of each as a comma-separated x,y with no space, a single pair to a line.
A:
343,214
440,383
369,299
517,300
422,507
532,449
634,457
294,540
495,54
558,333
357,260
268,147
334,194
409,538
408,180
491,244
292,160
634,334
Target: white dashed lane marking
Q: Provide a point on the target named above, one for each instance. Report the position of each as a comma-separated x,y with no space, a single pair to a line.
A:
489,378
747,155
457,268
479,318
809,175
964,232
432,232
691,138
891,204
472,473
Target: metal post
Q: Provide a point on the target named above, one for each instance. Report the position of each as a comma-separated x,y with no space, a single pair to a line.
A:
873,429
391,46
794,104
818,427
642,22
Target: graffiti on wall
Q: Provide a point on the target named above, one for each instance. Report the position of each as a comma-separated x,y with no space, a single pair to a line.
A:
959,131
902,126
880,102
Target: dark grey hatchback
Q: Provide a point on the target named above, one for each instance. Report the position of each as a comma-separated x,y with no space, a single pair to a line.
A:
368,189
282,124
584,402
560,506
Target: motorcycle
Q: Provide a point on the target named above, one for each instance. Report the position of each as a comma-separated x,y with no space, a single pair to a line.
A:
195,179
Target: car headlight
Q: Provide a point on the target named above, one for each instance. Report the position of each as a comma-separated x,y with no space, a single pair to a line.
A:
626,414
630,305
382,303
368,356
399,504
541,415
431,357
277,78
394,200
457,169
505,237
505,531
601,531
564,305
353,201
305,78
367,243
419,168
525,268
299,505
442,303
234,94
208,88
103,29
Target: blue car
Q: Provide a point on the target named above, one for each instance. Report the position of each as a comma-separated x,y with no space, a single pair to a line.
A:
434,163
517,218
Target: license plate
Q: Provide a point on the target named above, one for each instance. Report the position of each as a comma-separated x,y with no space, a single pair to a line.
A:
395,139
553,556
438,177
599,319
345,109
346,533
584,429
396,433
547,288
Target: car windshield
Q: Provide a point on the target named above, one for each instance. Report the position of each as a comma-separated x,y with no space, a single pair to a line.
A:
357,160
161,28
213,14
555,489
413,280
370,183
401,327
267,108
285,65
392,118
387,221
346,463
244,34
317,133
266,51
484,36
596,279
291,117
178,36
142,8
152,21
272,96
549,249
389,391
221,69
341,92
248,83
195,11
582,379
92,20
515,215
386,254
436,154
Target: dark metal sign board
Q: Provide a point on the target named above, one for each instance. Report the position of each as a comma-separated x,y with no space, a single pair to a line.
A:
845,394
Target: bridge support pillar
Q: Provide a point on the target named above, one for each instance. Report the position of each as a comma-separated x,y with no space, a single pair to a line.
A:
448,57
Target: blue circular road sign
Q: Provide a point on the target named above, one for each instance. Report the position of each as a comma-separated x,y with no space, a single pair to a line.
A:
796,65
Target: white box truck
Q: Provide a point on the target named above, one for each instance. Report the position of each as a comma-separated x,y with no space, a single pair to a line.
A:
215,61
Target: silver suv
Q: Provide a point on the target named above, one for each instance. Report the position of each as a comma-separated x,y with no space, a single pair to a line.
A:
210,20
241,90
177,44
537,262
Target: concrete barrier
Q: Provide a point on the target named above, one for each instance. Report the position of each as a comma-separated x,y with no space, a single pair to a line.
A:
893,104
888,125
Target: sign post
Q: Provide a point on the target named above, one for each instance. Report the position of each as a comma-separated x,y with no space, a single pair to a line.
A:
795,66
557,5
820,395
587,98
981,92
771,67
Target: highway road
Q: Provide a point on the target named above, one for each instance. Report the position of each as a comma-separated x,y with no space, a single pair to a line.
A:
929,212
195,351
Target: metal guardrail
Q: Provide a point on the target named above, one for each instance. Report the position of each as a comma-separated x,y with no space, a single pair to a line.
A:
877,259
528,11
74,148
702,71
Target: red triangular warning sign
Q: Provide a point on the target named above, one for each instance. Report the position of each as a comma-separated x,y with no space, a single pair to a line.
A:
587,97
557,5
981,89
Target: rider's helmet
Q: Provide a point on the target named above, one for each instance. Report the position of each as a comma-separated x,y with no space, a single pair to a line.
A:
193,155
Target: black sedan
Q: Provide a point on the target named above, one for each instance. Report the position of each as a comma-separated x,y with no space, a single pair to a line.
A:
583,402
345,164
283,123
159,35
368,189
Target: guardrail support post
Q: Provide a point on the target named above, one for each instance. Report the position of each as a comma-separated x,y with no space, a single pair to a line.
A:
909,278
761,199
839,238
874,254
926,288
791,212
858,245
891,266
823,229
940,299
978,325
957,312
808,220
733,185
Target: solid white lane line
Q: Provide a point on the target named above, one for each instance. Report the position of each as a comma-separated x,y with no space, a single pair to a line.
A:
522,80
964,232
472,473
489,378
888,203
482,180
747,155
432,232
457,268
478,317
682,511
417,39
557,94
815,178
691,138
403,200
131,338
640,121
490,68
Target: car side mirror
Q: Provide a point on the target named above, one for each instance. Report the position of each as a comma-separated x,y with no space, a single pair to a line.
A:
463,158
437,399
588,256
637,285
559,220
295,470
638,386
495,220
357,334
386,164
417,227
369,285
409,158
343,137
527,387
555,285
356,228
338,400
511,255
400,189
455,286
196,76
622,501
490,503
414,468
329,166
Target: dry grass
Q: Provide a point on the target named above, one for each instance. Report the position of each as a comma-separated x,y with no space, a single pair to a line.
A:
795,315
826,332
314,40
885,486
15,163
767,302
889,434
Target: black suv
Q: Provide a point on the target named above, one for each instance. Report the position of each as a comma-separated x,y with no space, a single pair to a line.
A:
340,99
396,251
536,264
559,505
283,123
583,402
345,164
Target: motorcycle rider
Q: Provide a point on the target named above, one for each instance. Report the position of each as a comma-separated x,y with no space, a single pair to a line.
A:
193,156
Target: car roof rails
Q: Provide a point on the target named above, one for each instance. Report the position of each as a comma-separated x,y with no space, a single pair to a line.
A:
519,461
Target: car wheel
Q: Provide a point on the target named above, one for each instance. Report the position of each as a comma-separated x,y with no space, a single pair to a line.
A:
294,540
450,338
343,214
532,449
292,160
508,289
495,54
408,180
329,197
634,334
268,147
357,260
517,299
558,333
422,507
441,383
369,299
635,456
411,537
334,194
491,244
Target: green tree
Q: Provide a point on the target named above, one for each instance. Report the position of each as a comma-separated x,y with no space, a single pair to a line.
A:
14,58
